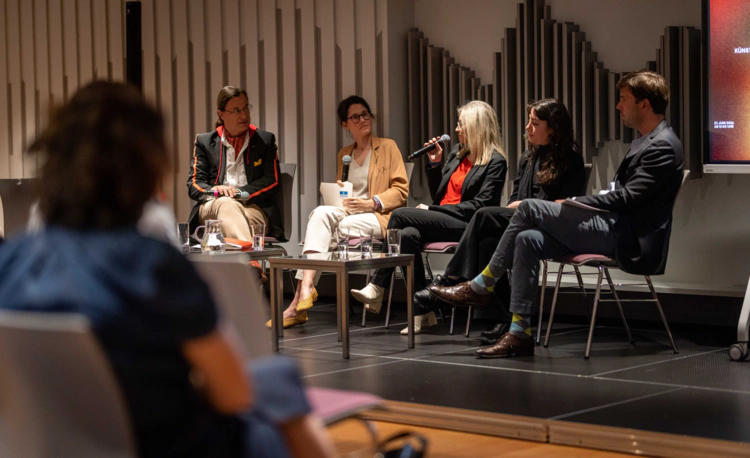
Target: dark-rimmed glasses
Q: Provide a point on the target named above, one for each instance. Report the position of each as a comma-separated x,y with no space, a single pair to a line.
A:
356,117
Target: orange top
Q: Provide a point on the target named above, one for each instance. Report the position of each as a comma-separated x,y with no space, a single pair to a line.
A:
453,193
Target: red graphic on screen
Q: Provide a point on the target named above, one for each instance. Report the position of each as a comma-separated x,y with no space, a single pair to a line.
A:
729,84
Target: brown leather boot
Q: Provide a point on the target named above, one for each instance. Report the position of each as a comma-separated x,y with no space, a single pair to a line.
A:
461,295
508,345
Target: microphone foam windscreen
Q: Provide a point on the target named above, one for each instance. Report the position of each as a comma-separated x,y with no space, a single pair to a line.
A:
445,138
346,159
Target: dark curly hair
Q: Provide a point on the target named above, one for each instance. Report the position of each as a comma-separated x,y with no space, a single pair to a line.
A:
343,110
105,157
561,142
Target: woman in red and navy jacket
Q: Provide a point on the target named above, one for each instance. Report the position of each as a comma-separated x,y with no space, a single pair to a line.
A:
234,172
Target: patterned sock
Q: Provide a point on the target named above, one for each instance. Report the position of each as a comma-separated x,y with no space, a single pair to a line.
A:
520,326
484,283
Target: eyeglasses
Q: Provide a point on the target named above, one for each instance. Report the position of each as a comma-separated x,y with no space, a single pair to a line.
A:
237,111
355,118
460,124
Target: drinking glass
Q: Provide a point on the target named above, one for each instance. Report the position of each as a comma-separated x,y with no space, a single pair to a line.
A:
365,242
393,238
342,242
183,236
259,236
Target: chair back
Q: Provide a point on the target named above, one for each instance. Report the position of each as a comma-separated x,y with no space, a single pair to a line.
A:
409,169
16,196
284,198
238,297
58,394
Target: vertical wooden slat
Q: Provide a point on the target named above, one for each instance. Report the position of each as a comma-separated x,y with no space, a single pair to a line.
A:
672,45
529,49
201,96
692,131
100,40
70,49
28,87
345,40
309,150
520,88
546,69
15,95
269,94
510,111
568,52
614,113
365,40
588,143
249,45
447,108
325,19
165,82
42,73
435,91
576,99
231,27
214,45
5,108
182,107
149,51
85,42
496,96
601,104
453,99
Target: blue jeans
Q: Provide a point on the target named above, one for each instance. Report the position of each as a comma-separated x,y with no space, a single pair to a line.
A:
542,230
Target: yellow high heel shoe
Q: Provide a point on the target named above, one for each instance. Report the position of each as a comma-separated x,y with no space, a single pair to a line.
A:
307,303
293,321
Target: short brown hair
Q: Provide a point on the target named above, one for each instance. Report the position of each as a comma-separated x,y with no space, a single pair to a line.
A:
226,94
105,157
647,85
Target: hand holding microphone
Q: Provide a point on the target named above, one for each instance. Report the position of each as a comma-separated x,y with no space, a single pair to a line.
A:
434,144
227,191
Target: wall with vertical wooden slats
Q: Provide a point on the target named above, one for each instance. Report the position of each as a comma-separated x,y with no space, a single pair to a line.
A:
296,59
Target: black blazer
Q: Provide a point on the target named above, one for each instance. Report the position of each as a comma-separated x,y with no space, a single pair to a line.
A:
208,166
571,182
647,182
482,187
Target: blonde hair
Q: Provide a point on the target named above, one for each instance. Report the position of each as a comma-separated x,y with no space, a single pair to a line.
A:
479,124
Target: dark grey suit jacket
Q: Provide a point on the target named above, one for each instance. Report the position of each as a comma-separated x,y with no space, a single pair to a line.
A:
647,182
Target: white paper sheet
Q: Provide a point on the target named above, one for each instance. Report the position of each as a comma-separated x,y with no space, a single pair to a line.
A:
332,193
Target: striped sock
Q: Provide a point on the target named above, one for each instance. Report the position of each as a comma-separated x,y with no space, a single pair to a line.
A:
520,326
484,283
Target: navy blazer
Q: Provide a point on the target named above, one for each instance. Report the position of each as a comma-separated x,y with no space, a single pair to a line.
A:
208,167
647,182
482,187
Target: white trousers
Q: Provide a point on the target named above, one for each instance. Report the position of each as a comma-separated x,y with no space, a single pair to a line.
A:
326,224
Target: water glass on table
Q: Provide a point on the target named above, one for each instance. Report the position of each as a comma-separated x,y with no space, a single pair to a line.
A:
365,242
183,236
259,236
342,243
393,238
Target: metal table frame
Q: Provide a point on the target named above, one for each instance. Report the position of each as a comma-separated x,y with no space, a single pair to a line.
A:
247,256
332,262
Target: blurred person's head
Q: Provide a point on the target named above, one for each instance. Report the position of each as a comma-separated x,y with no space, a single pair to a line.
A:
478,131
355,116
233,110
104,157
551,126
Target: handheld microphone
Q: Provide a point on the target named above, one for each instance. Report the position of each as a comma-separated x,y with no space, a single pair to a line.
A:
345,171
430,147
239,195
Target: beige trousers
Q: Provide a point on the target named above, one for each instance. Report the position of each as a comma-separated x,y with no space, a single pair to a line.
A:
235,217
326,224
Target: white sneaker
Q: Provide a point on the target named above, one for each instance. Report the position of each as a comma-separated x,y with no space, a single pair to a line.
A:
421,321
371,295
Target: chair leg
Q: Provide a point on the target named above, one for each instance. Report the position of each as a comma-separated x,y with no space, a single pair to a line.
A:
468,322
541,302
428,270
390,296
554,304
619,305
593,312
583,291
661,313
453,317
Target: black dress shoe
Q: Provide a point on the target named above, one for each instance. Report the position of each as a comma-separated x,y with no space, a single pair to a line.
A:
485,341
498,330
427,300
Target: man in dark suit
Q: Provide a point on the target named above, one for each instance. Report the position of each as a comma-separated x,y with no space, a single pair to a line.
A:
632,222
234,172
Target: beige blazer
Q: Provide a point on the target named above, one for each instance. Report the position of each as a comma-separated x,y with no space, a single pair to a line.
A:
386,177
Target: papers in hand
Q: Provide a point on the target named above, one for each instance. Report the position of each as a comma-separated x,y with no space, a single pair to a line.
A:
575,203
333,193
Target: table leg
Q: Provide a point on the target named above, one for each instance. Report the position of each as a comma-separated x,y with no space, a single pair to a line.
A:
344,298
338,306
274,310
409,303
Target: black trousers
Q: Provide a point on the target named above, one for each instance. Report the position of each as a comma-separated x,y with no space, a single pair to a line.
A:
419,227
475,250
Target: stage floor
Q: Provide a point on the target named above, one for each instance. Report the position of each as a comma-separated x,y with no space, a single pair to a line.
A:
698,392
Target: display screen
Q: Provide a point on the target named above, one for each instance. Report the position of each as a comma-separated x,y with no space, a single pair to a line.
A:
728,77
